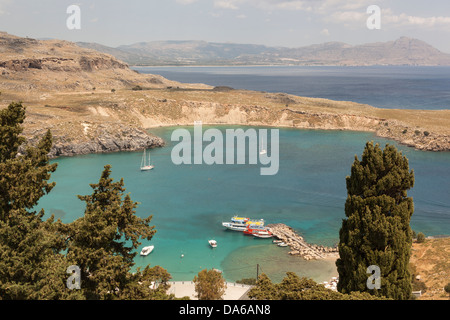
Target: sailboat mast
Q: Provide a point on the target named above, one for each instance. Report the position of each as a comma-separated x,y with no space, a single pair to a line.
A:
143,160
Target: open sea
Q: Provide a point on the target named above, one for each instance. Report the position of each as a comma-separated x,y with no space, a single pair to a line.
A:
393,87
189,202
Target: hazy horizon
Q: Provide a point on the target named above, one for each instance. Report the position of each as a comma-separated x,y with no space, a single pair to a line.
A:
272,23
237,43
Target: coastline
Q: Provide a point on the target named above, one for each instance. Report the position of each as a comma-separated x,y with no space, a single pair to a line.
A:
287,65
375,126
94,103
117,137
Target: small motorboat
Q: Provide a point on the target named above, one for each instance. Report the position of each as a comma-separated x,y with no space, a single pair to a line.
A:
146,250
263,235
282,244
277,241
213,243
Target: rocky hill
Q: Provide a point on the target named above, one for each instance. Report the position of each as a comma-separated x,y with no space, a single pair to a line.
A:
30,64
403,51
93,102
31,69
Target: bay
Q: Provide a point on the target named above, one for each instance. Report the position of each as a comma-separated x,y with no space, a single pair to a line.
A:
189,202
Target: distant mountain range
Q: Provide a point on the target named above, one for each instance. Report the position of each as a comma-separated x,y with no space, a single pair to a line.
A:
403,51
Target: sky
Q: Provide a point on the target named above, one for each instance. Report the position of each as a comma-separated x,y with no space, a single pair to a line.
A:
286,23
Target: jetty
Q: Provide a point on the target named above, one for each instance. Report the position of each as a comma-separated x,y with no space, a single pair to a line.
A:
298,246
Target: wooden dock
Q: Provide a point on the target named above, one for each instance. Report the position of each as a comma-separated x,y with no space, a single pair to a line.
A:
299,247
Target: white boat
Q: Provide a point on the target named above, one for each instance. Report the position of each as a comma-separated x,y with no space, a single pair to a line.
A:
213,243
282,244
146,250
277,241
263,235
236,223
233,226
144,165
262,150
241,223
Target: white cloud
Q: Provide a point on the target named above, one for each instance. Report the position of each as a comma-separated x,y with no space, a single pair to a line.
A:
3,5
325,32
318,6
186,1
348,16
226,4
403,19
356,15
349,13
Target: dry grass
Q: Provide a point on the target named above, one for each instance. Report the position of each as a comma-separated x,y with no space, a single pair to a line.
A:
431,261
162,106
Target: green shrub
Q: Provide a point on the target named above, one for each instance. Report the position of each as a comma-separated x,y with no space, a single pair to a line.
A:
420,237
247,281
447,289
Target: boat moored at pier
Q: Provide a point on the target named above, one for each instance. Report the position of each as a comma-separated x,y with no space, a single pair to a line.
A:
263,234
255,228
241,223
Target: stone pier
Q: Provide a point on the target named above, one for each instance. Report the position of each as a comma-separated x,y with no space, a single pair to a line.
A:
299,247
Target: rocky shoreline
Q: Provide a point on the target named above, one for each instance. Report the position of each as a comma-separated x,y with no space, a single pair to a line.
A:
102,139
302,113
298,246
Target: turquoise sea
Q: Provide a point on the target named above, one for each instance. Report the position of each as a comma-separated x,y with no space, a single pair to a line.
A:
189,202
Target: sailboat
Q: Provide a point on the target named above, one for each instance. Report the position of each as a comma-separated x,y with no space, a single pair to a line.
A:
262,150
144,165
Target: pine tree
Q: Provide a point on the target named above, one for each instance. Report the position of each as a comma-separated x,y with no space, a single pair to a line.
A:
32,262
264,289
209,285
31,265
292,287
377,229
102,243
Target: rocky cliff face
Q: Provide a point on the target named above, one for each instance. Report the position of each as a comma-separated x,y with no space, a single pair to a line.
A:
212,113
100,138
63,64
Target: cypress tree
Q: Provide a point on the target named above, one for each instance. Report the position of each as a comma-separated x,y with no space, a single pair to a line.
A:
376,231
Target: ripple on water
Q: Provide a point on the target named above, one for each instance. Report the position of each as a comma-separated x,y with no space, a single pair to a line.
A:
274,262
